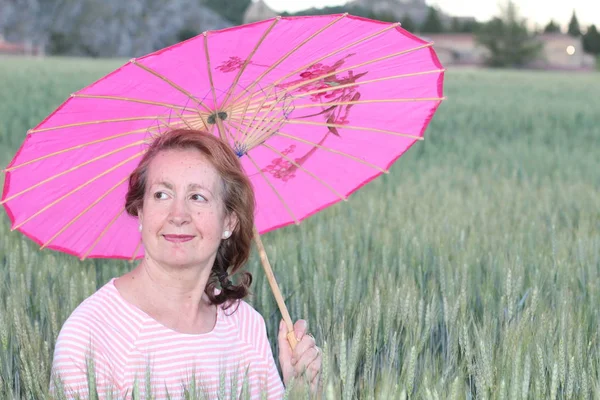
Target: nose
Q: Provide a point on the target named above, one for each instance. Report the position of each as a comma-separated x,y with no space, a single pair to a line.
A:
179,214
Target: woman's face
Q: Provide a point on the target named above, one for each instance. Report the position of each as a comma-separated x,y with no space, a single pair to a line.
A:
183,216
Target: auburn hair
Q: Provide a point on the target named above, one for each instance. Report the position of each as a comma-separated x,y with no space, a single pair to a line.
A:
237,196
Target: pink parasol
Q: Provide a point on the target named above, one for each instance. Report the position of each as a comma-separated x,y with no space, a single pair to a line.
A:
315,107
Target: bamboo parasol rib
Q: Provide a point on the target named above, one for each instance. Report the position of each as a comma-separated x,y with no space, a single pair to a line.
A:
346,85
334,151
131,100
373,101
248,59
290,89
289,53
171,83
270,184
73,220
101,235
100,121
17,226
75,168
77,147
358,128
334,103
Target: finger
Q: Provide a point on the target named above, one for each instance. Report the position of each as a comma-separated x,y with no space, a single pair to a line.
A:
316,383
316,378
300,328
314,368
302,347
304,363
316,388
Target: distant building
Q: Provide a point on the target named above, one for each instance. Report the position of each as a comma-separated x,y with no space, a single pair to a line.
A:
258,11
560,51
21,49
564,51
456,48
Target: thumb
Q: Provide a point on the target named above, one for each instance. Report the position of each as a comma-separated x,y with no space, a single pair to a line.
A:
285,350
285,353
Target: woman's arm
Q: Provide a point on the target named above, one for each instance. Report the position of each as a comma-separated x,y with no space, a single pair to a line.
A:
78,365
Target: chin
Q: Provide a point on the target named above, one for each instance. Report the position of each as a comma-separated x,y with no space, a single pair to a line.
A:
181,261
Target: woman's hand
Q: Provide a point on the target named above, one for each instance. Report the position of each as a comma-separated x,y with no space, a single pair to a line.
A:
305,357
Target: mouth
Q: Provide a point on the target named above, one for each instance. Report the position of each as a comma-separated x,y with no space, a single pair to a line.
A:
178,238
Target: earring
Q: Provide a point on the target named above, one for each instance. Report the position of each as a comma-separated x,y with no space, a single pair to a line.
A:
140,228
226,234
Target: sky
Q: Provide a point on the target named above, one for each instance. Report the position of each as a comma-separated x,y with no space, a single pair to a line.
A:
536,11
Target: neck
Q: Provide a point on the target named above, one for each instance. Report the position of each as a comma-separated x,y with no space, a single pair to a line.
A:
174,288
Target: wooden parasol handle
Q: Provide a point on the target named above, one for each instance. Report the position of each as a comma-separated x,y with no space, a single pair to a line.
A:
291,337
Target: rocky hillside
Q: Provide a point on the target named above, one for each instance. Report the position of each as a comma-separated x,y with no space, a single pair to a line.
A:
105,28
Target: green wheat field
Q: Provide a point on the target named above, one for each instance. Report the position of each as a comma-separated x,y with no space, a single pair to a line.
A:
472,270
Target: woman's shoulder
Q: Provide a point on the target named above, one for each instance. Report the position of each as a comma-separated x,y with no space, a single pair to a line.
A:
246,318
240,310
96,311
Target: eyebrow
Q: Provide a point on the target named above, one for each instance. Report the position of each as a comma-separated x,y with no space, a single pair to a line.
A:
191,186
165,184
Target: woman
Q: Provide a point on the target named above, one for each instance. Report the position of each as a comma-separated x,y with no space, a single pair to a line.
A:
177,314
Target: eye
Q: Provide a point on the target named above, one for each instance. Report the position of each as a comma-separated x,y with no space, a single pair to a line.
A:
160,195
198,197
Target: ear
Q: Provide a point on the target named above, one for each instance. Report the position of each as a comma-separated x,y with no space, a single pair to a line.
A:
231,221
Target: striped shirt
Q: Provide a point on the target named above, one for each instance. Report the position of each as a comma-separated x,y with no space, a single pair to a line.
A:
124,342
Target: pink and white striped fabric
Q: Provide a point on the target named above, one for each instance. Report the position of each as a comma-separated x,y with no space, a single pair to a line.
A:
125,340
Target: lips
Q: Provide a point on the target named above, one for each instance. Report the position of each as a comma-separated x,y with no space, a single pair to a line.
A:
178,238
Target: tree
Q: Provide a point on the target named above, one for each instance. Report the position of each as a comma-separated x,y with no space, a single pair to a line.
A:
59,43
385,17
574,29
185,34
552,27
591,41
509,42
455,25
407,23
432,23
352,9
470,26
232,10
